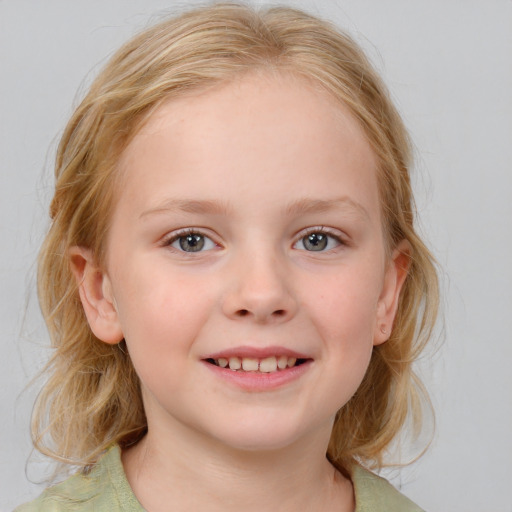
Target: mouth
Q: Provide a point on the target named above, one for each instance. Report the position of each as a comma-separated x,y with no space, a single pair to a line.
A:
258,369
270,364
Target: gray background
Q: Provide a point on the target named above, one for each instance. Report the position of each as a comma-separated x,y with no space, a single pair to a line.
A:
448,64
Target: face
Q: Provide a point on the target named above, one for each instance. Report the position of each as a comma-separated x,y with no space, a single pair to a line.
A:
246,266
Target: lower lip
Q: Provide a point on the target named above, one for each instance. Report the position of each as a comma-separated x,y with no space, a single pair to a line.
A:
259,381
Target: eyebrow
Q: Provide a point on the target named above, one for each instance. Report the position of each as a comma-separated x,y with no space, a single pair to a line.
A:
307,205
300,206
189,206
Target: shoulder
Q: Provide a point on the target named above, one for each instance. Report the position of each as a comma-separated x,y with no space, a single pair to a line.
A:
104,488
78,492
376,494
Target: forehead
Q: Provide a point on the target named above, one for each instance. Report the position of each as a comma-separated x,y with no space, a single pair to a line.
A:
259,96
271,128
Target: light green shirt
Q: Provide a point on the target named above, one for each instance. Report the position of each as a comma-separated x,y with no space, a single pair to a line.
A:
106,489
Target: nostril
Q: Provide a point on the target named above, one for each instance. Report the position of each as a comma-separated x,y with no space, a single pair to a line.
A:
278,313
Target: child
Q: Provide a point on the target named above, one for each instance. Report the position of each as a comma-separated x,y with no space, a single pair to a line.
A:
232,280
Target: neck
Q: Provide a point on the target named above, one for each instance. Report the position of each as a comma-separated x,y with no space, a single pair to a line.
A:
196,474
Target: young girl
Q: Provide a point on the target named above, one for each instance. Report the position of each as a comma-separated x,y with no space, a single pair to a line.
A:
232,280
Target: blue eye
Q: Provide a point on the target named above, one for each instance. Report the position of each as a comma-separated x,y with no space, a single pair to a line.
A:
318,241
191,242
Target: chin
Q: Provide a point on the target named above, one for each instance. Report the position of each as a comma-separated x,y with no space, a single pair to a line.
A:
257,445
258,436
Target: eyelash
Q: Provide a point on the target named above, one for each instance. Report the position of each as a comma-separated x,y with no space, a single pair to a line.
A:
168,241
203,240
323,231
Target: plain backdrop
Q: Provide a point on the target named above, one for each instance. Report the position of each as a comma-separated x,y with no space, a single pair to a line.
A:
448,65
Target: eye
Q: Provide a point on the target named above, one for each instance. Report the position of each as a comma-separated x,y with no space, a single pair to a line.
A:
191,241
318,241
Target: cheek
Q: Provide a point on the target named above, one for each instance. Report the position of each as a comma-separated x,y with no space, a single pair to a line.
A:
164,312
344,315
346,306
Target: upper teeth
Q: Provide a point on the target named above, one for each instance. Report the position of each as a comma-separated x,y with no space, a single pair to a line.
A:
251,364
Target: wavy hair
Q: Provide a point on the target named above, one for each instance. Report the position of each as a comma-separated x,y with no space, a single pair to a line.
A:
92,395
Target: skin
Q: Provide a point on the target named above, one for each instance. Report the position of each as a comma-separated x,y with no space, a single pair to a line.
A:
254,166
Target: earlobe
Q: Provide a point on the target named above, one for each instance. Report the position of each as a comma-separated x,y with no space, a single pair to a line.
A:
96,295
396,273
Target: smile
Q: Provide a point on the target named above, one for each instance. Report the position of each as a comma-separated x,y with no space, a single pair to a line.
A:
261,365
258,369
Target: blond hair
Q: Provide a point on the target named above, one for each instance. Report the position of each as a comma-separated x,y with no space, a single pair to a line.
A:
92,397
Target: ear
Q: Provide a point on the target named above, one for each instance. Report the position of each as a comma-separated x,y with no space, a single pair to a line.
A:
394,278
96,295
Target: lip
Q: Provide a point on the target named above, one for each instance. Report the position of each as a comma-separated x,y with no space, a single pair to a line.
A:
258,381
256,353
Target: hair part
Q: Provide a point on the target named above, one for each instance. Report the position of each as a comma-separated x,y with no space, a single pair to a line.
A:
92,397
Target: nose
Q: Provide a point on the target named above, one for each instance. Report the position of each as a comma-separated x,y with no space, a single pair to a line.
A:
259,290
